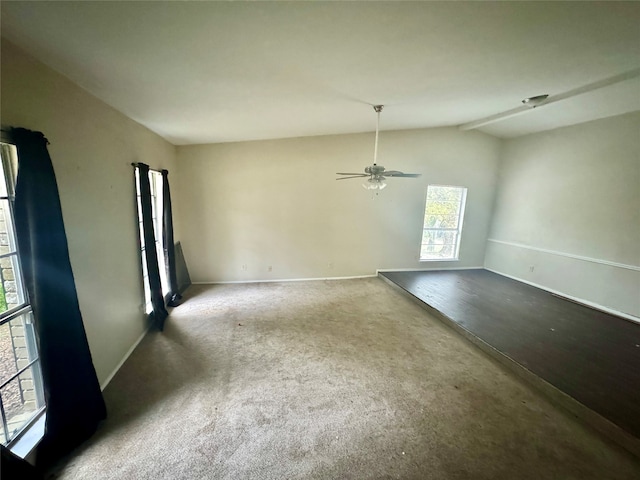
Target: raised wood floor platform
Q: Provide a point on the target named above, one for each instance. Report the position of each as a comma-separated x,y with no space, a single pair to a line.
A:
591,356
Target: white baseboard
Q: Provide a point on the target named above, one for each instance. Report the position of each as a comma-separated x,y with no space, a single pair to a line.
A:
281,280
597,306
104,384
312,279
430,269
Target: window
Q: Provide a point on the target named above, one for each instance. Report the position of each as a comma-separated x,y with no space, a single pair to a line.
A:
443,216
155,181
21,390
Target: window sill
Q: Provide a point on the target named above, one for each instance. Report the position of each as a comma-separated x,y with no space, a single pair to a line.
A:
25,446
439,260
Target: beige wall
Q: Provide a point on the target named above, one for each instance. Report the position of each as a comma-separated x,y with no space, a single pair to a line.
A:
92,147
569,206
277,204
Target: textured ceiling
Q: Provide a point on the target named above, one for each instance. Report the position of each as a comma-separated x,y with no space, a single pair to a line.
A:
201,72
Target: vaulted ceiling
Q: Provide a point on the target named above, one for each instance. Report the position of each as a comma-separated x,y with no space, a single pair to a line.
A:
202,72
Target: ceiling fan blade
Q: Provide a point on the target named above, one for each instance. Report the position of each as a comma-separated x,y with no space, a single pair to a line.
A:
395,173
352,176
362,174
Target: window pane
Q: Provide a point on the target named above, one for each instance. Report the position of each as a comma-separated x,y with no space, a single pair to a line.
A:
442,252
17,345
441,221
20,401
136,174
9,155
450,220
3,298
141,229
147,291
139,205
7,354
3,437
11,290
152,183
145,272
446,212
438,237
7,237
444,194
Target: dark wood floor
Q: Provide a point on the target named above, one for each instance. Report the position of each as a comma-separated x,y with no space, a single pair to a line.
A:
592,356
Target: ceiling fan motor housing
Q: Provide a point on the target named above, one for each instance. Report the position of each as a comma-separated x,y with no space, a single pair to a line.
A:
374,169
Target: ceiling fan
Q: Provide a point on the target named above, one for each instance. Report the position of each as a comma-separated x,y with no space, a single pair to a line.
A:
375,172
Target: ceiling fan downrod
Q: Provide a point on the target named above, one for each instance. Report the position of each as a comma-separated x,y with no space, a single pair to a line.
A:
377,109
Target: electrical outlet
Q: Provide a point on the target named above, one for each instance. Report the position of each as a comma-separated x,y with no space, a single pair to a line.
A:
269,268
531,267
244,266
330,264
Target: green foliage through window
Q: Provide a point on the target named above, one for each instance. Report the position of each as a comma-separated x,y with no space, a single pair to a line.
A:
444,212
3,300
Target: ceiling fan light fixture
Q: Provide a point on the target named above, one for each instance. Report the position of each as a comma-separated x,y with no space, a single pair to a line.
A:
533,102
374,183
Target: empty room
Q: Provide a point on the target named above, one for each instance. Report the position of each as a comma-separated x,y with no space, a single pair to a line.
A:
320,240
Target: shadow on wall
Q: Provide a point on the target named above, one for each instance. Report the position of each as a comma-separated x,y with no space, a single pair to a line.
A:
182,272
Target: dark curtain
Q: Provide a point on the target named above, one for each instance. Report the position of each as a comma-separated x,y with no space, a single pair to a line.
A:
174,297
159,313
72,393
13,467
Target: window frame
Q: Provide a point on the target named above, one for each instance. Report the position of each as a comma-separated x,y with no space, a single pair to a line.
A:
155,184
21,309
455,257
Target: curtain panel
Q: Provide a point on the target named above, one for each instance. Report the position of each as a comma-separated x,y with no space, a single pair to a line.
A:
72,393
14,467
174,297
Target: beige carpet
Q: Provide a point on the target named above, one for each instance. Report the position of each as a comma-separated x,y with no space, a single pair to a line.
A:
327,380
